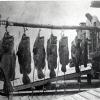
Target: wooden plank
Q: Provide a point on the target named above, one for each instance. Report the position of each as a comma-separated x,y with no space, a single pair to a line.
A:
45,93
78,97
66,98
38,83
4,22
88,96
97,94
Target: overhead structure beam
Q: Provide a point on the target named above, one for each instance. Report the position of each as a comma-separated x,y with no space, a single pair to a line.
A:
57,27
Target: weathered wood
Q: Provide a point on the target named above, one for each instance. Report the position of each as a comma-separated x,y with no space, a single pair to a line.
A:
4,22
93,92
38,83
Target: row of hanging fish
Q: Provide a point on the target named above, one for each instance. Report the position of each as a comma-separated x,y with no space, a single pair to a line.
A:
39,54
8,56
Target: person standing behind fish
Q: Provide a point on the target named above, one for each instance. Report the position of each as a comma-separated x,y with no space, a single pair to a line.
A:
92,21
91,36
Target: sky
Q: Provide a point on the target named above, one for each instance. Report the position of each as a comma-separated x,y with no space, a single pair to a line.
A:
69,12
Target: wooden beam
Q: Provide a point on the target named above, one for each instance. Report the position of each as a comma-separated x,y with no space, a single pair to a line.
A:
57,27
41,82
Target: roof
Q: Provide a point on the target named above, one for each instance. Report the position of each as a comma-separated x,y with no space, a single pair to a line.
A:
95,4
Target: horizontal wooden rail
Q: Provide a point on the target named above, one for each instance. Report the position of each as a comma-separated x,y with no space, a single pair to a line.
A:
57,27
41,82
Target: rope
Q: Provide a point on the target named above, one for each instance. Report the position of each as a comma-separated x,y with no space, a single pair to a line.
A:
39,32
62,33
79,81
57,76
6,24
33,80
44,78
25,29
64,84
34,74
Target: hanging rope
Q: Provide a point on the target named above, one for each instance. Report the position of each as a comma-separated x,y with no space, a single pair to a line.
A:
33,81
62,33
34,74
44,89
64,83
57,76
79,82
6,25
6,28
25,29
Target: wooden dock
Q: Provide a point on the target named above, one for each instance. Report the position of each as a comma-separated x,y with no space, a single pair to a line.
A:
70,75
93,94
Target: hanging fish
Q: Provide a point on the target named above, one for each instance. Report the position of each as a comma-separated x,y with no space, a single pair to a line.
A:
39,56
52,54
8,58
63,52
24,56
76,53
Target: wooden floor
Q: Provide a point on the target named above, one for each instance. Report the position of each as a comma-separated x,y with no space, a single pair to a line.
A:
93,94
90,94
